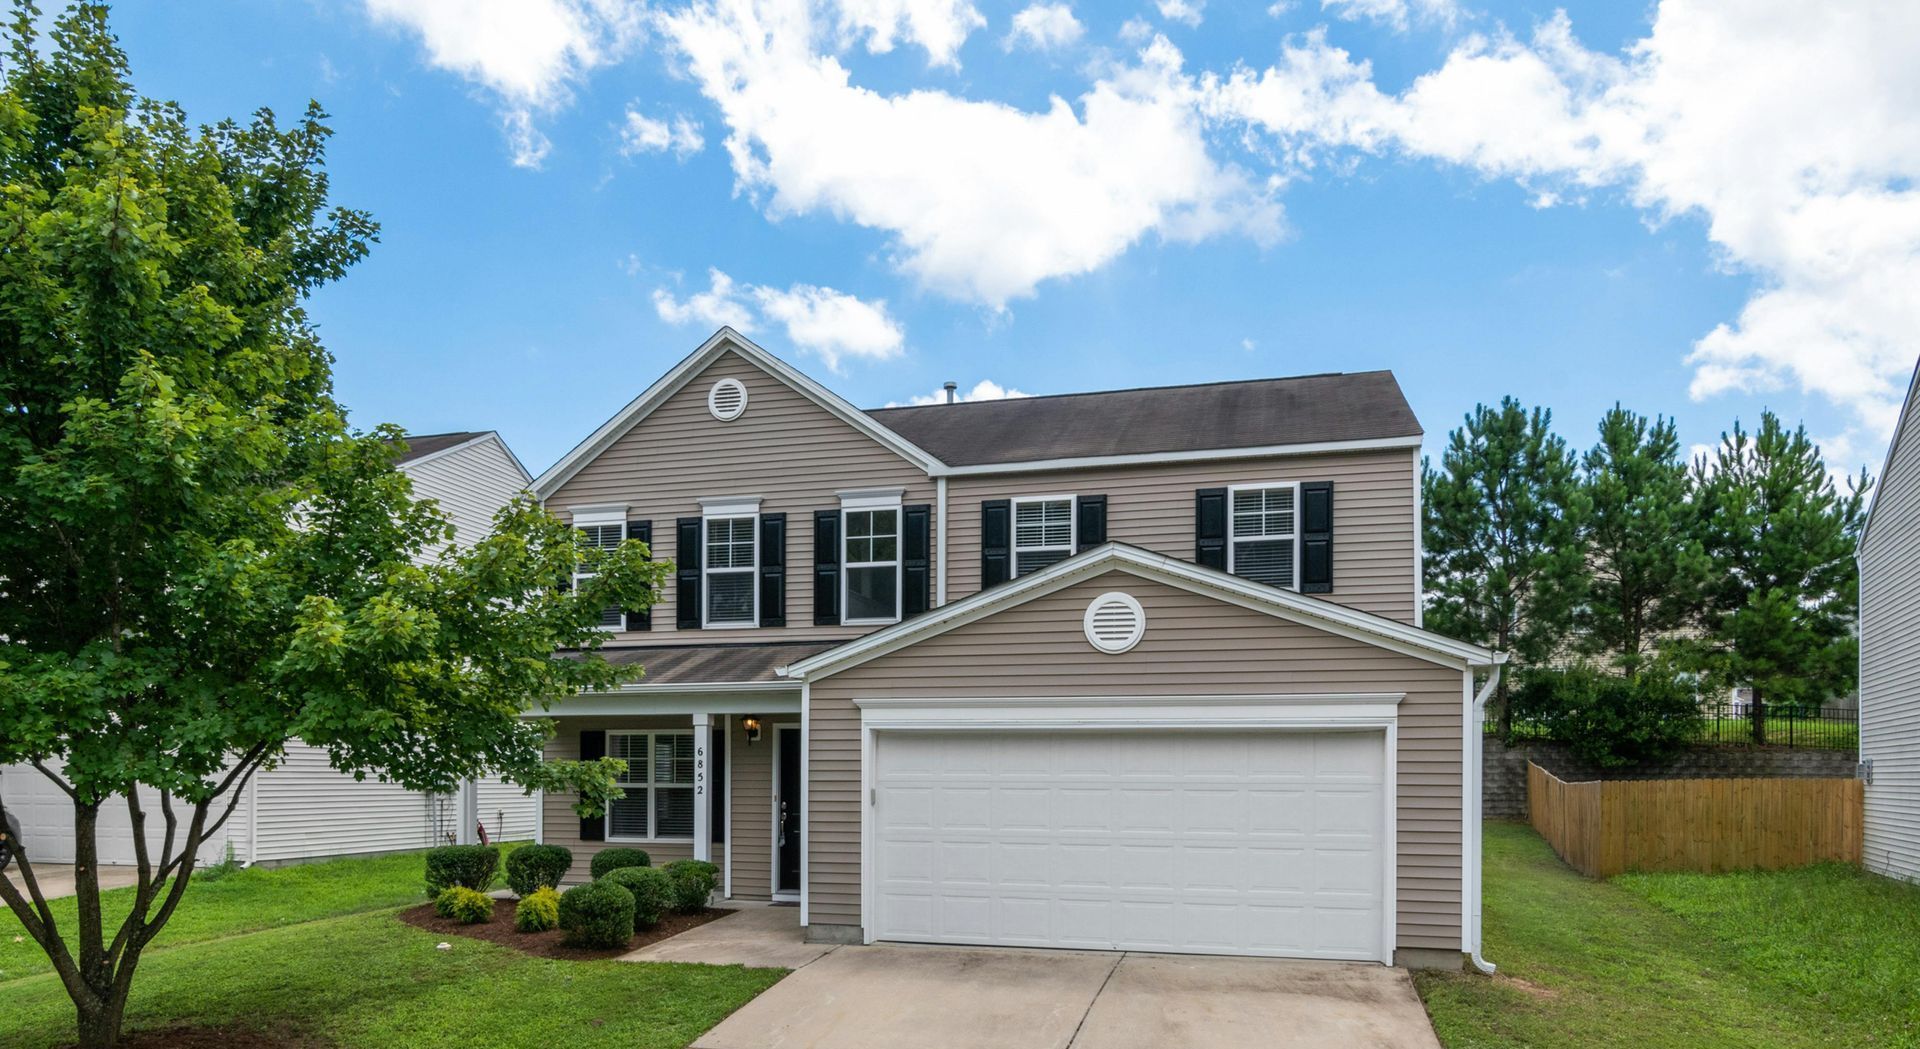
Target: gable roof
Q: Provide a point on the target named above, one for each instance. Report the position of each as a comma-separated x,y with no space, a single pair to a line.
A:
1252,416
1364,627
1908,410
422,448
720,342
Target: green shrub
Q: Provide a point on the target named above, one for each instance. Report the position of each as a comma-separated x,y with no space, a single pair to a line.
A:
652,890
532,867
538,911
607,860
1607,720
693,883
598,914
464,905
468,866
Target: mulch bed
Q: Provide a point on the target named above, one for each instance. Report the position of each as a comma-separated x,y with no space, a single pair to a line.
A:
499,929
216,1038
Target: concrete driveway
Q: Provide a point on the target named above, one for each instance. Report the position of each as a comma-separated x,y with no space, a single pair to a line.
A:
890,996
57,879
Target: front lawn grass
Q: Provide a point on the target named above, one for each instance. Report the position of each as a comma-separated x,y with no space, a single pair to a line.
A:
366,980
1672,961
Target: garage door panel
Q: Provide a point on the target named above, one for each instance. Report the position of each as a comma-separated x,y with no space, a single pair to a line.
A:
1134,841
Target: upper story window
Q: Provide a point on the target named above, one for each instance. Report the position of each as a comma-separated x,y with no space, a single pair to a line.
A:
601,530
731,558
1042,532
658,785
871,565
1263,541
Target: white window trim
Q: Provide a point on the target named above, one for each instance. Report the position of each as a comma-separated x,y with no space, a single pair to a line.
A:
871,498
730,506
857,503
1013,529
707,571
648,787
593,517
1233,542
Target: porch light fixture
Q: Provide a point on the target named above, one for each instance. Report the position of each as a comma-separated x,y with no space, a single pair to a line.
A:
751,725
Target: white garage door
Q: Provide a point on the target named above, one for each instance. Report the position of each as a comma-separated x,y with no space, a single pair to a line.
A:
1264,843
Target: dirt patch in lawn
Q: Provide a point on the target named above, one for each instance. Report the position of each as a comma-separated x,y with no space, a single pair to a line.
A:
499,929
216,1038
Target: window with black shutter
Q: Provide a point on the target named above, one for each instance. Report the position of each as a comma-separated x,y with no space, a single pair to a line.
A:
686,564
916,560
1089,521
826,567
1210,528
996,542
641,618
773,569
600,535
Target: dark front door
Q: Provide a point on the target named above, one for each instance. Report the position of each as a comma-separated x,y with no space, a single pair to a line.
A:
786,803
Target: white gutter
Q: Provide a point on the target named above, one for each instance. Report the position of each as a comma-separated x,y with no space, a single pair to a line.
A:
1473,752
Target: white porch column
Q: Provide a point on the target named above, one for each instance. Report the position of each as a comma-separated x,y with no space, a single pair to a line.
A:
467,813
702,801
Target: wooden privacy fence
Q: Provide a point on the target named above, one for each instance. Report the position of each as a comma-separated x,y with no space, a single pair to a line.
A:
1604,827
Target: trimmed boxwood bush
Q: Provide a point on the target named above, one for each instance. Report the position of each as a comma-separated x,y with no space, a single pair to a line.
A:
597,914
532,867
468,866
652,890
607,860
538,911
693,883
464,905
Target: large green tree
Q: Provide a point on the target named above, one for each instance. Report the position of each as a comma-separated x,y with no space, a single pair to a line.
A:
200,561
1782,591
1501,535
1644,563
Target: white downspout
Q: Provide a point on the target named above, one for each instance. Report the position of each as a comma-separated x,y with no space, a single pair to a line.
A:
1476,759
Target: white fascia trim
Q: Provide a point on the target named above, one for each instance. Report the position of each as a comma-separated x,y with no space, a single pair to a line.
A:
1910,406
872,498
680,374
1200,455
731,506
580,516
1314,612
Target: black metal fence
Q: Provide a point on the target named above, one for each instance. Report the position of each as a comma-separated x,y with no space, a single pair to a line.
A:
1830,728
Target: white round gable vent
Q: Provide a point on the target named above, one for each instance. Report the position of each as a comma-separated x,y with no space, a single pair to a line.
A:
727,399
1115,622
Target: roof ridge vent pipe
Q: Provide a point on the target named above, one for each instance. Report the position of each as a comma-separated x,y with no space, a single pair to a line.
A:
950,386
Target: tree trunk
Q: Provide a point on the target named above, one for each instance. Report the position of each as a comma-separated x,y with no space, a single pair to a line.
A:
1505,707
1757,717
99,1023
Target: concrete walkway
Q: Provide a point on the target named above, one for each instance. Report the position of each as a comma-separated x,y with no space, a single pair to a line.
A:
57,879
756,936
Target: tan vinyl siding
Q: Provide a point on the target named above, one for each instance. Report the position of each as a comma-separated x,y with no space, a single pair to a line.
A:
1152,507
752,772
1890,660
563,826
787,450
1193,645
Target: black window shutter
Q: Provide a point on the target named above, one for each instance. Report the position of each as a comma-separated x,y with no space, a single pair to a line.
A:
717,780
1210,528
641,618
686,554
593,746
1316,537
996,542
916,559
1090,521
826,568
773,569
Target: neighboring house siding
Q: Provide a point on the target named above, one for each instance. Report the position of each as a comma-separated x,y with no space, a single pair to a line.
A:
787,450
563,826
751,772
505,810
471,484
306,809
1890,660
1153,507
1193,645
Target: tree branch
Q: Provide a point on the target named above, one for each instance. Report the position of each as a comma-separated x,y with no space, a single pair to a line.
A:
65,788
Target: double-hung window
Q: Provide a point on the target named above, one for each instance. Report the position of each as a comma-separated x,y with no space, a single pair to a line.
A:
732,599
872,564
1042,532
658,785
1263,542
601,530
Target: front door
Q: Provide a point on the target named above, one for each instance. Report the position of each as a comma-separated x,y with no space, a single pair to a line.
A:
786,807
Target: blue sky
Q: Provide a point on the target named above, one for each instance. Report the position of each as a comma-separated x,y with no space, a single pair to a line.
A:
1486,199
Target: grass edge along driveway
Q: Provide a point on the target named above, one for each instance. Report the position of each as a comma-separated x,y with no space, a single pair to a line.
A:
1824,956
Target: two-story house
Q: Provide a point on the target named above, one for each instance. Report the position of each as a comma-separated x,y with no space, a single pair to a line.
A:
1136,670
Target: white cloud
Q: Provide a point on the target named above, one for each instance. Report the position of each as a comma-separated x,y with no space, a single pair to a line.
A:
938,26
527,52
983,200
831,324
1045,27
1136,31
1781,126
1395,13
984,390
644,134
1186,11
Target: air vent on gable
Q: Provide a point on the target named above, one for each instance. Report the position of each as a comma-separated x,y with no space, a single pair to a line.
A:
1115,622
727,399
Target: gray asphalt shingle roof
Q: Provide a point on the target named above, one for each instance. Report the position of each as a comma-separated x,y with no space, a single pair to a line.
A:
713,664
422,445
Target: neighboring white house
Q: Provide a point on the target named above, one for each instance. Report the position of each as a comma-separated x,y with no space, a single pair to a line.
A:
303,809
1890,655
